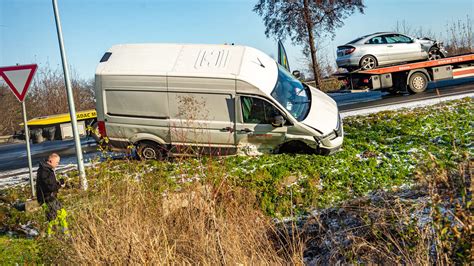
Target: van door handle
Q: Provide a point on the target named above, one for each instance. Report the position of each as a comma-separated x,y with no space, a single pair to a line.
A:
229,129
245,130
389,45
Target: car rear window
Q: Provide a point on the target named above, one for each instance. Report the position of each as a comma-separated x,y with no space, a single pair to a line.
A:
358,39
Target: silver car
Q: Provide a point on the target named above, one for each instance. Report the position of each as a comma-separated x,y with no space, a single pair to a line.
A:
385,48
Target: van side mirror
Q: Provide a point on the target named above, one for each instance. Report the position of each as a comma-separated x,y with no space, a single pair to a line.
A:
278,121
296,73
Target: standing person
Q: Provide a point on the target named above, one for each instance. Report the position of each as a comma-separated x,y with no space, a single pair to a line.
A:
47,186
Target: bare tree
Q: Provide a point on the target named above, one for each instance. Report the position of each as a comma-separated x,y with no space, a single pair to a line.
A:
304,21
46,96
10,108
460,37
420,32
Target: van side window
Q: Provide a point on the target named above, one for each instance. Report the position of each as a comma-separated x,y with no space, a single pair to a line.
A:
377,40
137,103
257,111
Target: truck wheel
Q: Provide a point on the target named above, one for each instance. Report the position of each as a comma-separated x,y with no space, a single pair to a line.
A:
368,62
417,82
149,150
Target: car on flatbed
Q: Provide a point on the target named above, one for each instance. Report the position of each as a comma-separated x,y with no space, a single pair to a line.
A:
385,48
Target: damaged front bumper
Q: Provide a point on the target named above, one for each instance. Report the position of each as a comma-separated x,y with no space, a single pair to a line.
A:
331,142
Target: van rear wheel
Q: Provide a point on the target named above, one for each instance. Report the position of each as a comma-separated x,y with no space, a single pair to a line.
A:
149,150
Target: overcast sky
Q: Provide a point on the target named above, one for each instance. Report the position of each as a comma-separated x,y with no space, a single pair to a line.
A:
28,32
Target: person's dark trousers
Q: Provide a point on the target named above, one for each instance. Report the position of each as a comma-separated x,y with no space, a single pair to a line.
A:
53,207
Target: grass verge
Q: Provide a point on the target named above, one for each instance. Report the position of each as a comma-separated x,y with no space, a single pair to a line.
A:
220,210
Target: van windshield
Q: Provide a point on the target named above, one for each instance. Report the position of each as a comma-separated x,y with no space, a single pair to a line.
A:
292,94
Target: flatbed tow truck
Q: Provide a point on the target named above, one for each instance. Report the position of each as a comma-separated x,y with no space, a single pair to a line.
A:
409,78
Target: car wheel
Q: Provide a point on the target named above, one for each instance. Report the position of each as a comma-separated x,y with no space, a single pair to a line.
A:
434,54
149,150
368,62
417,82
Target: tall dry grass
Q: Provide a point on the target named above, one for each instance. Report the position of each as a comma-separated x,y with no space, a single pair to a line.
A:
131,222
429,224
129,217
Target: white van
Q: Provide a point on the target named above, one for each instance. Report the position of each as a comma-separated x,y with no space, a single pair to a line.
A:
173,99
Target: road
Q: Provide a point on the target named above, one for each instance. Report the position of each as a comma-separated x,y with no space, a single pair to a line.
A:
361,100
13,156
13,160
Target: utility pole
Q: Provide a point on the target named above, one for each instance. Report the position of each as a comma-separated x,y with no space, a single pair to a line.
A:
70,99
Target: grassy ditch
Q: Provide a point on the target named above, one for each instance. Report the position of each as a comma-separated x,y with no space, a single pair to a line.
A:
223,210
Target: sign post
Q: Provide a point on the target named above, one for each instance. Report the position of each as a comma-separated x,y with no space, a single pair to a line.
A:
28,151
18,78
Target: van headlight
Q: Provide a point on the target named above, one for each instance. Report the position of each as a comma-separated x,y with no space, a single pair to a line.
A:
339,125
339,122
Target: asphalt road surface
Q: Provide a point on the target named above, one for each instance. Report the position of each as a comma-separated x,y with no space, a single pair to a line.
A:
348,101
13,156
377,98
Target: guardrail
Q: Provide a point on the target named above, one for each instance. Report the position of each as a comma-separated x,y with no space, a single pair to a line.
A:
5,139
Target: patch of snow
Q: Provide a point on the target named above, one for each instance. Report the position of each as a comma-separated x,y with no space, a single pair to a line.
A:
22,176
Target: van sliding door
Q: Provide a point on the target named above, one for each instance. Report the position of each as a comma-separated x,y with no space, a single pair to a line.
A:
202,122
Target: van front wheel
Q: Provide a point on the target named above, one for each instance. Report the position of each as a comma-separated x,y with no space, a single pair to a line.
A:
148,150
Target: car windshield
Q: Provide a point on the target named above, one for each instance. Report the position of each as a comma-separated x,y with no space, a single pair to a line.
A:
292,94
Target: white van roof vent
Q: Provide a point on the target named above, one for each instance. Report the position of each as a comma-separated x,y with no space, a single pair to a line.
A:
212,59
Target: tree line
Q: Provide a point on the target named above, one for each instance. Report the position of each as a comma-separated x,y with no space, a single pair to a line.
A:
46,96
310,23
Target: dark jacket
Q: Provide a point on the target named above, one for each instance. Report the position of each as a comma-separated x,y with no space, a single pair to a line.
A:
46,184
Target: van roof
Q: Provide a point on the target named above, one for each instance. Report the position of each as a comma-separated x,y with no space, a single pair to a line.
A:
169,59
191,60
